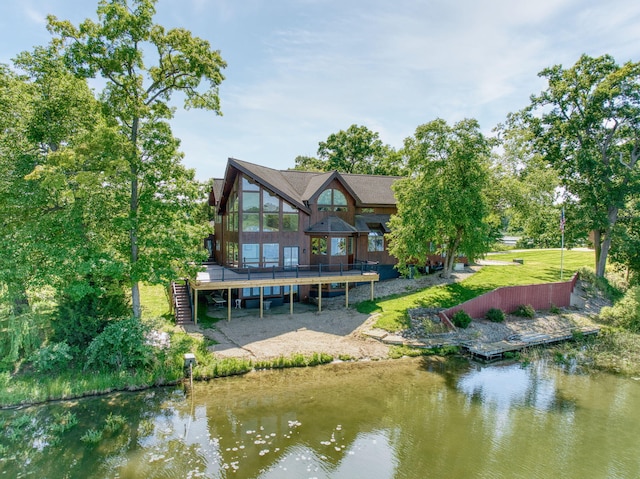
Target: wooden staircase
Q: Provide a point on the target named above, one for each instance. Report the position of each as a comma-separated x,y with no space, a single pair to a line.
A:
182,304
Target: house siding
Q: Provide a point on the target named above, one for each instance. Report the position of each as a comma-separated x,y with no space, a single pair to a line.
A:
229,241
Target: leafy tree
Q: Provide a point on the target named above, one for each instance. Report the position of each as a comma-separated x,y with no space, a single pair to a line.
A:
17,159
46,111
56,208
69,170
356,150
586,124
309,163
444,201
161,192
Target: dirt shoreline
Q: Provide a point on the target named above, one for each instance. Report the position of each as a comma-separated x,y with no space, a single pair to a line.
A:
346,334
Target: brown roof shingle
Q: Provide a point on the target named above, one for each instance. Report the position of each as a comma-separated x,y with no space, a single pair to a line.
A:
300,186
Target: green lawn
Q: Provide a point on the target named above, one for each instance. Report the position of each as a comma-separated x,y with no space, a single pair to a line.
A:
540,266
153,298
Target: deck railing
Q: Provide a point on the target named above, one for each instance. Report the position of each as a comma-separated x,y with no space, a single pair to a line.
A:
221,273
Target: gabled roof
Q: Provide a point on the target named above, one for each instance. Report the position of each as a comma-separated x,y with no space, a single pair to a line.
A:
299,187
372,189
216,191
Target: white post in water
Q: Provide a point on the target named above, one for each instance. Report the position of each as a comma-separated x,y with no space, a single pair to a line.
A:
189,360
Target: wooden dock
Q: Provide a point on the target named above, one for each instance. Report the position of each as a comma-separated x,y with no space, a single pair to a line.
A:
496,350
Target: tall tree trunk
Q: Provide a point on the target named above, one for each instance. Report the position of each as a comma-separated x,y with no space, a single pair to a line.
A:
597,246
133,218
606,244
452,250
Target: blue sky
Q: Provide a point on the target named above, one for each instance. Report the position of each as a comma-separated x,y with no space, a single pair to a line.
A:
299,70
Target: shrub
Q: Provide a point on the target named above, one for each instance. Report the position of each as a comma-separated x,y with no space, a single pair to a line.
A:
495,315
122,345
461,319
53,357
626,312
85,310
222,368
525,311
319,358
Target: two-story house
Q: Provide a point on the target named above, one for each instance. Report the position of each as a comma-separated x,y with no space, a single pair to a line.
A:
284,219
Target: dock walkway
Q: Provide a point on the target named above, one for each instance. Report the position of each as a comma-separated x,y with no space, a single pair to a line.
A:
497,350
487,351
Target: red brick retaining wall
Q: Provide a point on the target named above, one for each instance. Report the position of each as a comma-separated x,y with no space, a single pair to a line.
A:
508,298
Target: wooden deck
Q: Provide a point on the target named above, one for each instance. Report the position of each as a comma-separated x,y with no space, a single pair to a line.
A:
217,278
493,351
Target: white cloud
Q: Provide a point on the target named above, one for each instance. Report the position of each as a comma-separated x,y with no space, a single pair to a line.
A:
34,15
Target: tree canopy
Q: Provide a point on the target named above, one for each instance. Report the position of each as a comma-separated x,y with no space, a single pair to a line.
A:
442,206
356,150
136,97
586,125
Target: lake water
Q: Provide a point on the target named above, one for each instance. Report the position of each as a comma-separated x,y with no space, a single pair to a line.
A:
390,419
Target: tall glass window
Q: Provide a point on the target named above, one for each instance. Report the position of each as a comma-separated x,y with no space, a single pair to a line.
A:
251,255
338,246
250,222
250,202
232,208
271,254
232,253
270,209
250,211
270,202
290,256
289,217
376,239
249,185
319,246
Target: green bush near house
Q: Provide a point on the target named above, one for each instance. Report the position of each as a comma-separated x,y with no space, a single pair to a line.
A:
461,319
495,315
525,311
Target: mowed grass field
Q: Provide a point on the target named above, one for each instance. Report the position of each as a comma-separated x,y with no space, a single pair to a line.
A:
539,266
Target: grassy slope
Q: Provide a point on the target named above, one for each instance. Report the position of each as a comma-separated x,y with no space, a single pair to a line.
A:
540,266
154,301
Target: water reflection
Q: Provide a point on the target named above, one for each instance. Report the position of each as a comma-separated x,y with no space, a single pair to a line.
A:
505,387
399,419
